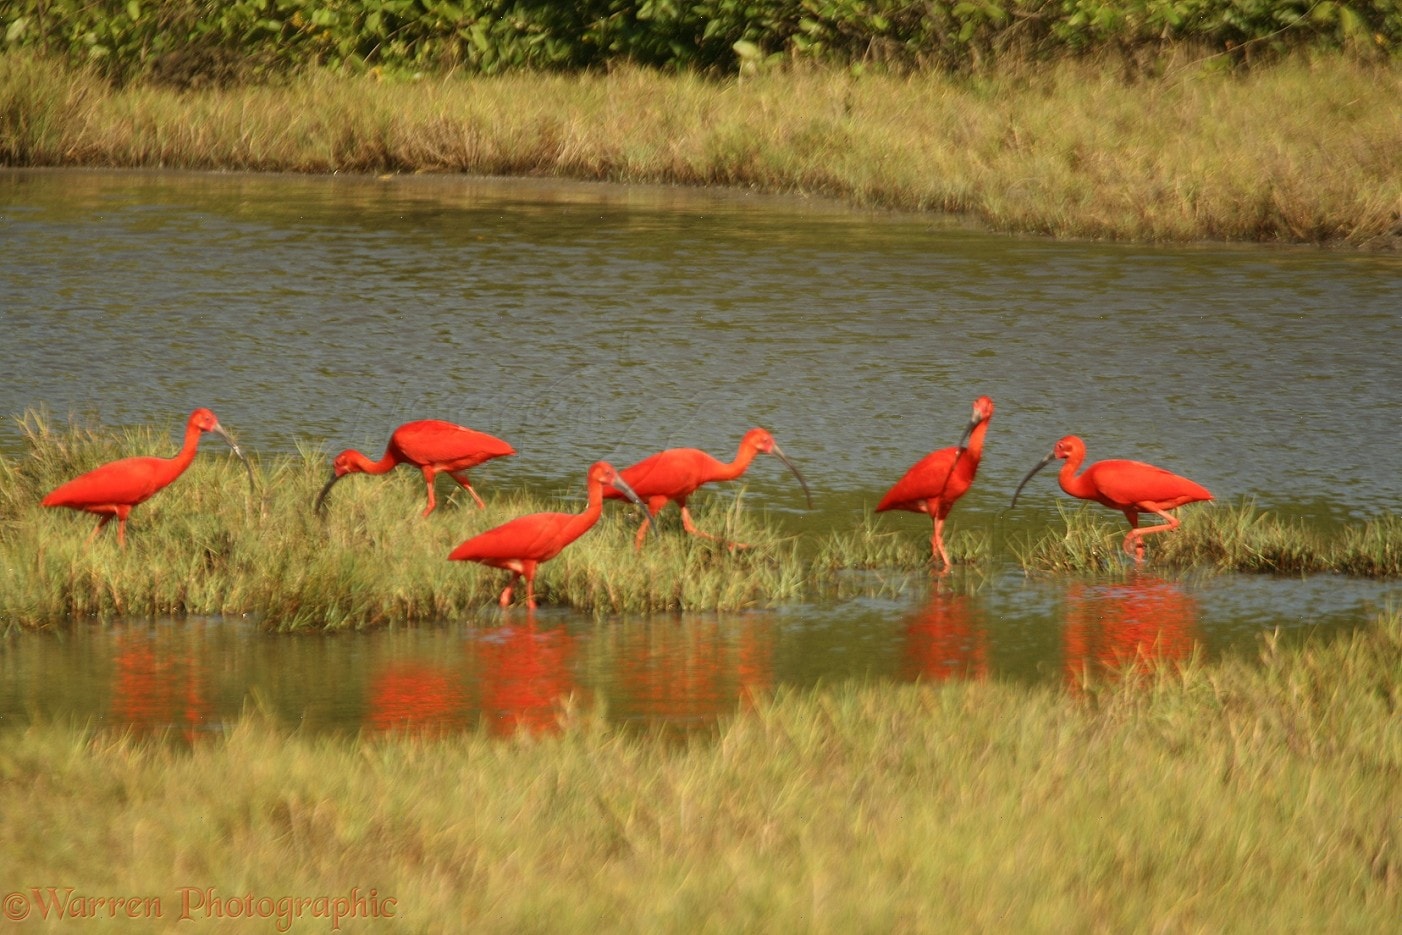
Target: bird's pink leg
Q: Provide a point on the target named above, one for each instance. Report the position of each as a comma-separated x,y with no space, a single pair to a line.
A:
1134,542
690,527
505,599
429,474
461,478
103,521
530,589
937,541
653,505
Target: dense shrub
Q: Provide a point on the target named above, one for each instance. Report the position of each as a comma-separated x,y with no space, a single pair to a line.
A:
190,42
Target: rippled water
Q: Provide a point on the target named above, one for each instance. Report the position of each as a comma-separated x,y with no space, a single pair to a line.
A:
586,321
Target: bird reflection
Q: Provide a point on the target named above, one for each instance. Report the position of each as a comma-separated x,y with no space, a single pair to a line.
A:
1133,625
945,639
525,675
688,674
156,688
417,698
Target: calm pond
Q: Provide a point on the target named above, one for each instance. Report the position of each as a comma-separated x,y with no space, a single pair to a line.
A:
582,322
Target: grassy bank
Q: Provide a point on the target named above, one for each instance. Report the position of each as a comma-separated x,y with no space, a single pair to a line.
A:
1302,151
1249,795
1234,537
207,546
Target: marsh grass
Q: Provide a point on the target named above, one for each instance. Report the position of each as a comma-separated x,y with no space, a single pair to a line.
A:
207,545
1246,794
1236,537
1294,152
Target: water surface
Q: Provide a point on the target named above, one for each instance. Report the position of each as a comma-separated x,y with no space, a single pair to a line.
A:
582,322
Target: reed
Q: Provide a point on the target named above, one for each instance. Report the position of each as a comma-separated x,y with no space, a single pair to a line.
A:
1249,794
1294,152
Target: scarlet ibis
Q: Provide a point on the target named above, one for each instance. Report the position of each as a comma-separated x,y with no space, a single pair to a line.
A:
1132,487
674,474
433,446
521,544
114,488
941,477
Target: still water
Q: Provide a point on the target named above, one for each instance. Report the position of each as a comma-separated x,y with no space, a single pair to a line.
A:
581,322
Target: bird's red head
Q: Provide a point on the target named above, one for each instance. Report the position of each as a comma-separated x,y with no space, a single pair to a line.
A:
1069,447
983,409
204,420
759,440
603,474
344,463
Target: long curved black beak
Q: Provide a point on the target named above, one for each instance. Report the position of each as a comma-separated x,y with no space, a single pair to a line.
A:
778,452
238,453
320,505
1040,464
622,487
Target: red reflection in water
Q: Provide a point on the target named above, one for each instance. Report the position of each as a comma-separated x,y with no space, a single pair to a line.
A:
1136,624
416,697
525,676
689,674
944,640
155,688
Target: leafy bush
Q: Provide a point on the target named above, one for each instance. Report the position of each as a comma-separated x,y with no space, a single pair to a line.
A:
192,42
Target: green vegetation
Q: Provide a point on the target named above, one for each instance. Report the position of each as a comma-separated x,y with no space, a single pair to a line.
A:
1245,795
241,40
205,546
1226,537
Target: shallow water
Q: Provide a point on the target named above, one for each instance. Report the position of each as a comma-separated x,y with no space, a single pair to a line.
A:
588,321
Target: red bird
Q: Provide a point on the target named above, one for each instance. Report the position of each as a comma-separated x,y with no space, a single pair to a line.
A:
1132,487
433,446
942,477
521,544
675,474
114,488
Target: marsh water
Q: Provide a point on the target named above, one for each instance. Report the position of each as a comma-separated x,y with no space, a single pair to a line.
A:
582,322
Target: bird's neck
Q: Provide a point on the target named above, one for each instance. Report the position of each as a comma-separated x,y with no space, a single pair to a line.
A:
974,449
188,447
583,522
365,466
735,468
1073,485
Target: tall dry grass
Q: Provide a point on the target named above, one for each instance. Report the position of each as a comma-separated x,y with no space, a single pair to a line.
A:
1302,151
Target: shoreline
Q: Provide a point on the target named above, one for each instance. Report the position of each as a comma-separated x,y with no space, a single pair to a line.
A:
1074,152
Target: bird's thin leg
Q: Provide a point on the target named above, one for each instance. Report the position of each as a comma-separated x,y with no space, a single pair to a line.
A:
106,518
461,478
530,590
647,520
690,527
1134,542
432,500
937,542
505,599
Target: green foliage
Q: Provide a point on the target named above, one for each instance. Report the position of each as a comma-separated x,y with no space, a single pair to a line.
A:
192,43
